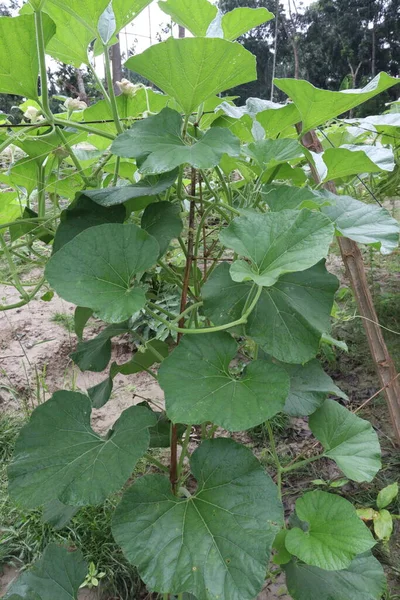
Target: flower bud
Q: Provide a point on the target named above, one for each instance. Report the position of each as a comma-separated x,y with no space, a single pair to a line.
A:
128,88
33,115
72,104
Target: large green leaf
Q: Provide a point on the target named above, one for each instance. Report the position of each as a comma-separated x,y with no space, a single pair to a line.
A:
335,534
199,387
94,355
57,574
270,153
284,197
96,269
148,186
364,579
363,223
276,243
350,441
57,514
276,118
162,220
216,543
194,15
350,159
159,139
58,455
208,66
317,106
309,387
19,63
288,320
82,214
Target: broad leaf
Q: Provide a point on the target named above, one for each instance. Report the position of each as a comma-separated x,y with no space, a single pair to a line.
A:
162,220
58,455
276,243
364,579
57,514
19,63
97,268
94,355
270,153
199,387
351,159
159,139
335,534
81,214
194,15
57,574
148,186
350,441
216,543
284,197
289,318
363,223
387,495
276,118
317,106
309,387
207,65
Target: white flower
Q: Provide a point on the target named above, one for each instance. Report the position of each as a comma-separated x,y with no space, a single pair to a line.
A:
128,88
33,115
72,104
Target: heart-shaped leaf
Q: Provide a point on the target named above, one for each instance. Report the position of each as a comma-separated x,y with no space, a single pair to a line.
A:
162,220
159,139
276,243
220,65
364,579
199,387
96,269
194,15
335,534
57,574
317,106
350,441
214,544
58,455
289,318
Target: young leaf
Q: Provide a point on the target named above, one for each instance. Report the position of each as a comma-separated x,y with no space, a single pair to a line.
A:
363,223
159,140
194,15
81,214
290,317
383,525
199,387
335,534
58,455
100,394
309,387
213,544
57,514
96,269
387,495
317,106
19,63
350,441
107,24
276,243
57,574
364,579
220,65
148,186
81,317
94,355
141,360
162,220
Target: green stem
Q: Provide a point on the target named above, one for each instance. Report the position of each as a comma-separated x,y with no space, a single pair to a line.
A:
42,65
41,191
278,465
156,463
77,125
110,85
13,269
73,157
116,172
226,189
26,300
99,83
186,311
184,451
302,463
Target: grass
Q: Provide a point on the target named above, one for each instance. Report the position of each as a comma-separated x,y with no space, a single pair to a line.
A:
64,320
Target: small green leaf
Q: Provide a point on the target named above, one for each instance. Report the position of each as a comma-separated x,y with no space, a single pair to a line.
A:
335,534
363,579
194,15
278,117
100,394
350,441
383,525
94,355
142,359
387,495
148,186
270,153
107,24
243,19
216,543
282,556
276,243
57,574
58,455
199,387
23,226
220,65
159,140
19,63
81,317
10,208
96,269
162,220
57,514
23,174
160,434
317,106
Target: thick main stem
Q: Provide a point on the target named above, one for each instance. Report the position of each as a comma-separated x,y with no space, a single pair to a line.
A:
353,261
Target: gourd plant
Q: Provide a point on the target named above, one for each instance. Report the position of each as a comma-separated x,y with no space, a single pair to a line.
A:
197,228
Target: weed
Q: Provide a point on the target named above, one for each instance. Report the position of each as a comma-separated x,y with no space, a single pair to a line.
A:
64,320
